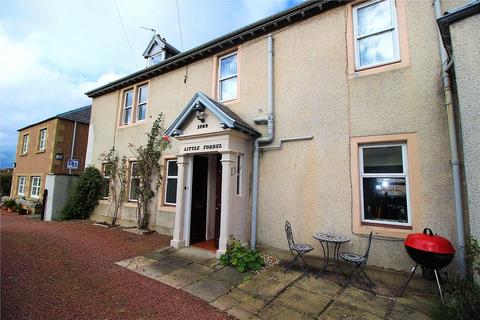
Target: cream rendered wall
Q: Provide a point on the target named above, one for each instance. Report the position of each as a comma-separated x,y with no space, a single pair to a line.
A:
465,42
309,182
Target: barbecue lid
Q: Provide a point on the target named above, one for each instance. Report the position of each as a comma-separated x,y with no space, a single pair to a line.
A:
429,242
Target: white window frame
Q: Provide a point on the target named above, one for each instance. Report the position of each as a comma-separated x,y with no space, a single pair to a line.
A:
162,57
125,107
385,175
131,177
220,79
139,89
22,180
166,182
25,140
35,187
42,141
393,27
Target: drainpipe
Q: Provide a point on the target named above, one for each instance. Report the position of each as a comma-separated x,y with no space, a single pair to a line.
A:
457,186
263,140
73,143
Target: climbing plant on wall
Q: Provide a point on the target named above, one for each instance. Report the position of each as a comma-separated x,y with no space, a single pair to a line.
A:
116,168
148,169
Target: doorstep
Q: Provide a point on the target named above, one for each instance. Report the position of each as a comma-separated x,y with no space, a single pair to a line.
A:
273,294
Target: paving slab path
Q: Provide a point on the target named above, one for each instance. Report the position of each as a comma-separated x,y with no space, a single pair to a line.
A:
67,270
274,294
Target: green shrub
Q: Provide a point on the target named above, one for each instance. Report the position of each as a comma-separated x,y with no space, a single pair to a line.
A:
462,296
242,258
10,203
18,207
85,195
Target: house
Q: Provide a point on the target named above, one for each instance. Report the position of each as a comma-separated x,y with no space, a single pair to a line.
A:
45,148
330,115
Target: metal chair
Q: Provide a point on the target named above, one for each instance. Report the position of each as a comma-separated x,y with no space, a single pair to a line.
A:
297,249
359,263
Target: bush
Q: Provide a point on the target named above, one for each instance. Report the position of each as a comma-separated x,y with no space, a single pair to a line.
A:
85,195
18,207
462,296
243,259
10,203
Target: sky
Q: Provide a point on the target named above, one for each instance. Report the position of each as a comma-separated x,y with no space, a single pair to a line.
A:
53,51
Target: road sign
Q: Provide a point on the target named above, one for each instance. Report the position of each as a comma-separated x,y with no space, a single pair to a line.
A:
73,164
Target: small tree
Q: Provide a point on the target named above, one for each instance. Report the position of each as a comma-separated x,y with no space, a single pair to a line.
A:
149,169
85,195
117,171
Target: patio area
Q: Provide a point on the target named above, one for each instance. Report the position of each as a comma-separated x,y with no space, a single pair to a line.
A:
274,294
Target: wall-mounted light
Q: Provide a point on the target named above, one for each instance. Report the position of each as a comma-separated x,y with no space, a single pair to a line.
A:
199,111
58,156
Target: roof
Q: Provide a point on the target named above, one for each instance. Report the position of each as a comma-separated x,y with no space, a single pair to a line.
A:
81,115
280,20
453,16
157,38
227,117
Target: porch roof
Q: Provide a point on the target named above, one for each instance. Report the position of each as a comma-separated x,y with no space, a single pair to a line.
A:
227,117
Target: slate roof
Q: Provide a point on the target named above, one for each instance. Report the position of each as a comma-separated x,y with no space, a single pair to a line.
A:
226,116
81,115
254,30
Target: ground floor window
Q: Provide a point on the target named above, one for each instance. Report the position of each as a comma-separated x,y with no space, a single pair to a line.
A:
35,191
134,182
21,185
384,184
105,181
171,182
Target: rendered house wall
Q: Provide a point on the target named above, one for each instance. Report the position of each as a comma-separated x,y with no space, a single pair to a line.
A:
310,183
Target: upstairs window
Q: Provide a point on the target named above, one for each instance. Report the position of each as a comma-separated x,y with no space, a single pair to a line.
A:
21,185
127,107
42,140
384,184
25,144
171,183
142,103
375,34
227,77
134,182
35,192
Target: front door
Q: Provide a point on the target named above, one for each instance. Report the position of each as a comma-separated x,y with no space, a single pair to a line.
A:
198,220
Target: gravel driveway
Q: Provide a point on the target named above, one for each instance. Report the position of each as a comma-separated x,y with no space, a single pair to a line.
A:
66,270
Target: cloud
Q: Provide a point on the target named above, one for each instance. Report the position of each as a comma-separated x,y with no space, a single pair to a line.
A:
52,52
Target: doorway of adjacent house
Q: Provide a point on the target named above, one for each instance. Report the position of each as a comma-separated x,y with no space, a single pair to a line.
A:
206,201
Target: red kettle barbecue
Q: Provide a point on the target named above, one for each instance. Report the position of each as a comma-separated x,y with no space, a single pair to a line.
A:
430,251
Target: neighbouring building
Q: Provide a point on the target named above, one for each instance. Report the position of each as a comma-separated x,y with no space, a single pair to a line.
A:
357,137
45,148
460,29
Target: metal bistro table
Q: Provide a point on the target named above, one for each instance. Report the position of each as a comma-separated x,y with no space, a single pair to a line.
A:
337,241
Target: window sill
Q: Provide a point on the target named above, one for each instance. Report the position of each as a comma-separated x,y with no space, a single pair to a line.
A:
40,151
378,69
124,126
383,231
230,102
23,154
130,204
168,208
104,201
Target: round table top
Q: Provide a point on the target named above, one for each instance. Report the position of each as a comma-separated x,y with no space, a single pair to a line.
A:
330,237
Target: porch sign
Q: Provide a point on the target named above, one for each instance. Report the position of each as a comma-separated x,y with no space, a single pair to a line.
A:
203,147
